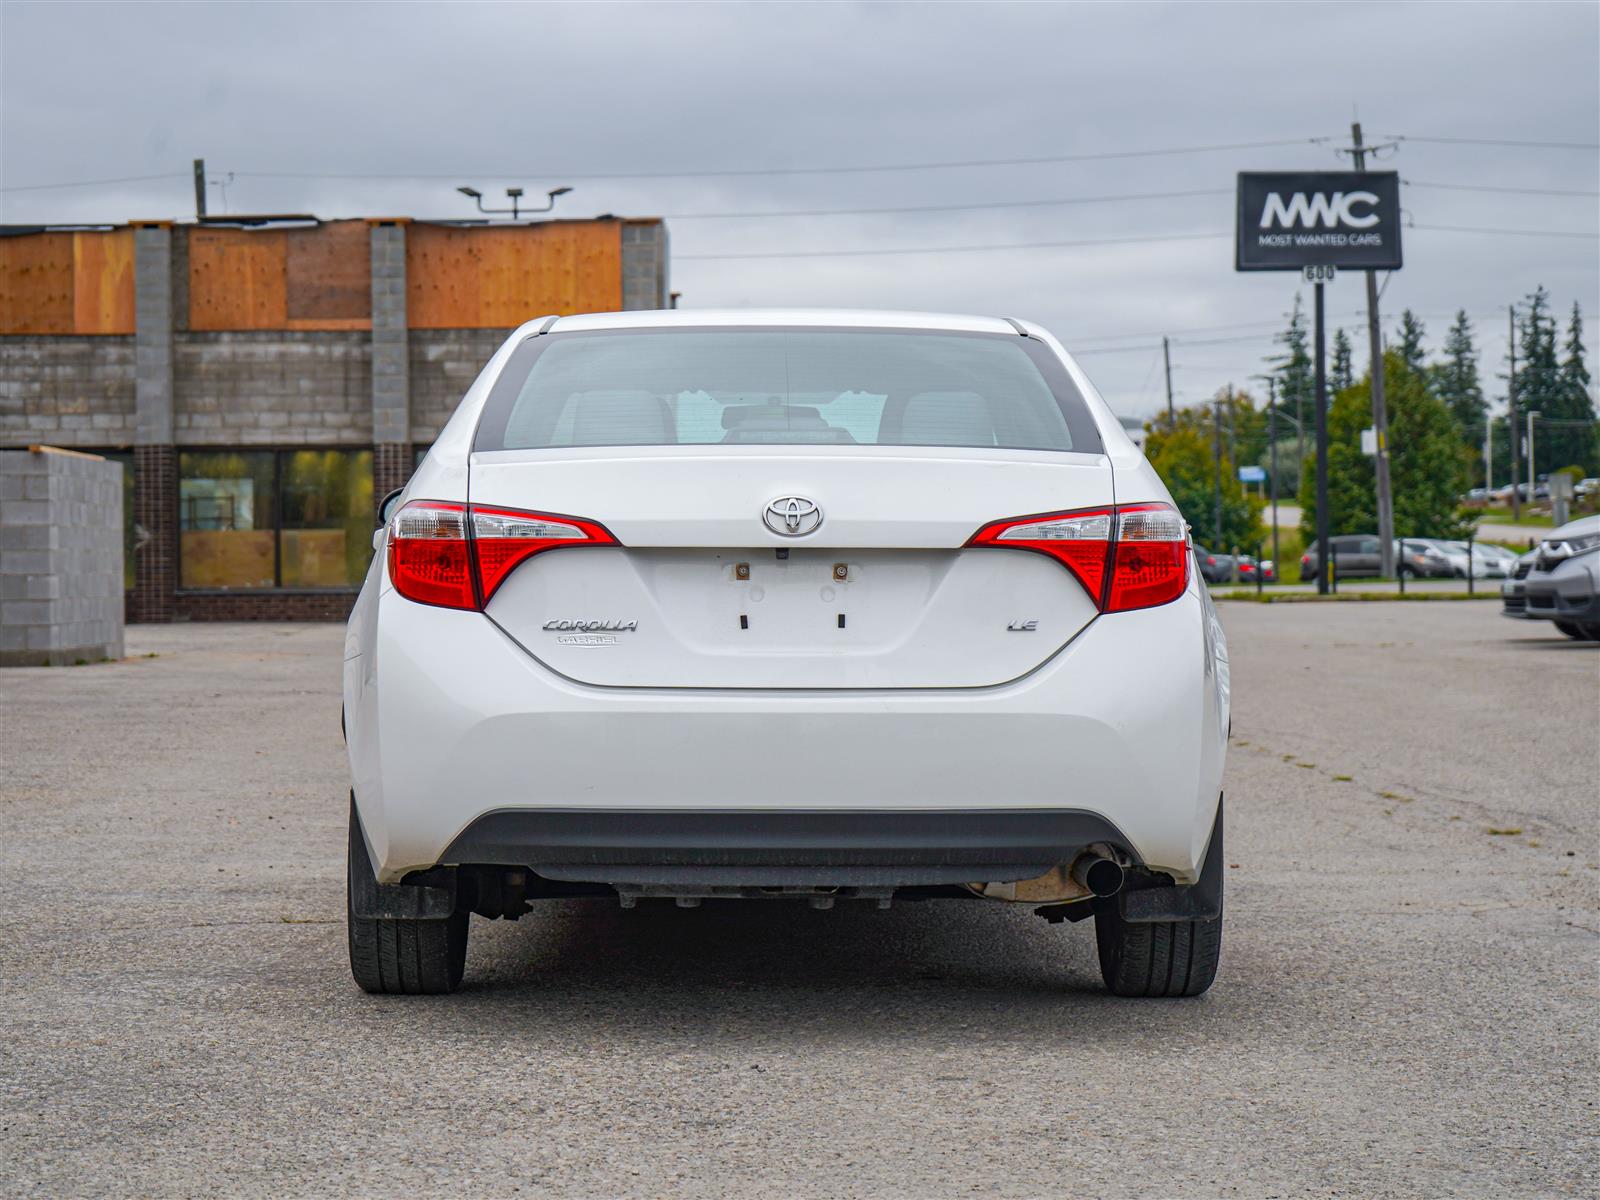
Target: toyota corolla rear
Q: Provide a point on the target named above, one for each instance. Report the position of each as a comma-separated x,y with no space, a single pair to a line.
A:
830,606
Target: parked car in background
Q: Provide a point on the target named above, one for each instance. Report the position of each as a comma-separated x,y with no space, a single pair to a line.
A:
1228,568
1481,562
1214,567
1562,581
1496,561
1356,556
1513,598
1248,567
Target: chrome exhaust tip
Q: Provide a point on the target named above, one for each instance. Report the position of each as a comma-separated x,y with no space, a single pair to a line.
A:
1102,876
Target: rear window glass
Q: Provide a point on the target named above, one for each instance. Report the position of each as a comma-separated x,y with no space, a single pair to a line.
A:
814,387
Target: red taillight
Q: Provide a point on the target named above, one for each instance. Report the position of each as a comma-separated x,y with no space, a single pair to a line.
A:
1145,545
457,555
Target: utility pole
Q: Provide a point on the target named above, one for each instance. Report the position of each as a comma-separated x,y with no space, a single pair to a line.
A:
1299,431
1233,456
1166,359
1272,443
1380,413
1488,451
1216,452
200,189
1532,413
1511,416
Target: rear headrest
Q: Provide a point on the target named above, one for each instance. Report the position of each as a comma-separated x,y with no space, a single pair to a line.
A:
621,418
771,416
947,419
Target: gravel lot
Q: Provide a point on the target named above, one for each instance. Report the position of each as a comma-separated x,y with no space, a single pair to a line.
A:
1407,1004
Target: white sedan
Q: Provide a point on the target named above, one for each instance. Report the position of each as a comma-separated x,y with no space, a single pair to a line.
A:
820,606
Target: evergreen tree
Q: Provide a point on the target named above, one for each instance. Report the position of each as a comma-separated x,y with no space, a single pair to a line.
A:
1427,463
1568,430
1341,374
1539,385
1410,347
1455,381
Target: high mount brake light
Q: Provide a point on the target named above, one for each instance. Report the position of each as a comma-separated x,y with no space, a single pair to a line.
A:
451,554
1126,557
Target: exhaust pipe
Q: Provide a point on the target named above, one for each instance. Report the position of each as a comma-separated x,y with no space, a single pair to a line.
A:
1102,876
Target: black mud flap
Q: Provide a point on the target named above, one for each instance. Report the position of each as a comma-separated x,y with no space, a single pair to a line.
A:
432,899
1199,901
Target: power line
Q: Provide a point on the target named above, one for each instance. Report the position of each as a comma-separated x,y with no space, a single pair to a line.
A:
1162,237
1484,187
1555,233
1458,141
46,187
925,208
1101,156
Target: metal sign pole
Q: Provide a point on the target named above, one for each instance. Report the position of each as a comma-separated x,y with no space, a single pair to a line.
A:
1272,438
1322,444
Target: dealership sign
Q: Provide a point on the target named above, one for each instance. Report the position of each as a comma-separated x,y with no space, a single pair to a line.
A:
1289,220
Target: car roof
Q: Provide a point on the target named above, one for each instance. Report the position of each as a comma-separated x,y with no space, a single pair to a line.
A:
821,318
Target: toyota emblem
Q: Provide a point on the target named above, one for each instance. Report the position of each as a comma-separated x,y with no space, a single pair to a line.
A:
792,516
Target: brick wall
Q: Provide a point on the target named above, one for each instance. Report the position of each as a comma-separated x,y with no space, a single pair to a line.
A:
155,512
391,468
273,389
264,606
66,391
444,362
60,559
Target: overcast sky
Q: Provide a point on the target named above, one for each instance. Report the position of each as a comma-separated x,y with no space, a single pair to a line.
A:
547,95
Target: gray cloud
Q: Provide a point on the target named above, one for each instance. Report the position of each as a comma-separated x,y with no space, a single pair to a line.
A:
499,94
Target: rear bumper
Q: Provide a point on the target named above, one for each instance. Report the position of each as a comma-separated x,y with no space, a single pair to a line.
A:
764,847
451,727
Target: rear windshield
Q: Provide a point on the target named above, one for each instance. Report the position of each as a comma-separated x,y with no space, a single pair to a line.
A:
811,387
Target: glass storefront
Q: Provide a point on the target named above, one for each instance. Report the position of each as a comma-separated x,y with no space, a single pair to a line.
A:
256,519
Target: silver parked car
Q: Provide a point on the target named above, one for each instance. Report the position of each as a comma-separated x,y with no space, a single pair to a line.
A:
1560,581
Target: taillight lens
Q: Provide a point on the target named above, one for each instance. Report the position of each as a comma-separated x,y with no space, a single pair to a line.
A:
452,555
428,560
1126,557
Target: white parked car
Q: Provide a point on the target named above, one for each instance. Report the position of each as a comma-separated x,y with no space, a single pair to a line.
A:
823,605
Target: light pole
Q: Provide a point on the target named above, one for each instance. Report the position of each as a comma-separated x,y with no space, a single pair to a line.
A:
1532,413
515,195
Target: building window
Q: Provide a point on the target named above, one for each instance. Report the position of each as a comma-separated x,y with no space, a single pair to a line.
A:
274,518
325,538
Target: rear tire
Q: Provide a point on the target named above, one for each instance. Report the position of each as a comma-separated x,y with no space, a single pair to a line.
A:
1159,958
397,957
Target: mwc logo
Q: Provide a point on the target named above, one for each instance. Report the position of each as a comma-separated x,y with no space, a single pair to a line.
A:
1330,210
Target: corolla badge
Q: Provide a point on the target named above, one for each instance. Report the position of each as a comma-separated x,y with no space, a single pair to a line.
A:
792,516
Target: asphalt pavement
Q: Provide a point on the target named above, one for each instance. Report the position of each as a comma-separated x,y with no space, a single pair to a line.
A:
1407,1004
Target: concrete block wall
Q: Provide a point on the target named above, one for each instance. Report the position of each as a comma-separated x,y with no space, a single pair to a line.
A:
444,362
60,558
66,390
273,388
644,265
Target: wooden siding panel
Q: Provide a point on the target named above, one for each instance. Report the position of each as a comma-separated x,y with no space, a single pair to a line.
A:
499,277
103,282
237,279
328,272
36,283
